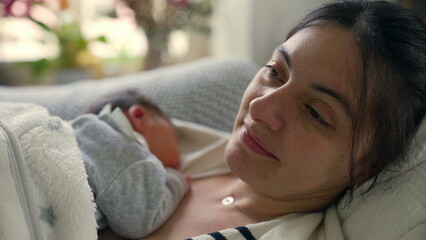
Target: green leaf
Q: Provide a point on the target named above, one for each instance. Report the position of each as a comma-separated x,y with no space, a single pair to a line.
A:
102,39
40,24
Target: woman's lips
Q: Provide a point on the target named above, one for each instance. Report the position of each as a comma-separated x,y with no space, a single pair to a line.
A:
255,145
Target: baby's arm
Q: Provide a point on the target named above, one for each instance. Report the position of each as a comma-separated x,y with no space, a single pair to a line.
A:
142,197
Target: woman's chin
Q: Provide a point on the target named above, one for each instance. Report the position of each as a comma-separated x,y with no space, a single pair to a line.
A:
234,155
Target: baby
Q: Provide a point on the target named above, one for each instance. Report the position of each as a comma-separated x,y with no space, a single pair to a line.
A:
131,157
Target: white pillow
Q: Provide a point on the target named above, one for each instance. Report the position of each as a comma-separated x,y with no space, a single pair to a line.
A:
395,209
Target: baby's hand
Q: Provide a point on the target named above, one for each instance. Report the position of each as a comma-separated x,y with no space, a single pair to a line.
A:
188,180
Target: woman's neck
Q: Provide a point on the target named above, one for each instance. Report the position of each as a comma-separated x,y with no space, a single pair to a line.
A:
262,208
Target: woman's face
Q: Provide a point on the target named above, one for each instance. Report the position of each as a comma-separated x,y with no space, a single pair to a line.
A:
291,137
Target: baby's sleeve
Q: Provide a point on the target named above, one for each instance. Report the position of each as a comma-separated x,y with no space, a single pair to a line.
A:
141,198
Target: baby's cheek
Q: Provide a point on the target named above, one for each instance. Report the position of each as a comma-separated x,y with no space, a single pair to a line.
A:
173,158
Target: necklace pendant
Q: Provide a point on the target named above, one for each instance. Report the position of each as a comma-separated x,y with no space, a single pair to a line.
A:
228,200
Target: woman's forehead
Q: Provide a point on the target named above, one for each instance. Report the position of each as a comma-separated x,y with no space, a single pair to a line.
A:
328,55
326,42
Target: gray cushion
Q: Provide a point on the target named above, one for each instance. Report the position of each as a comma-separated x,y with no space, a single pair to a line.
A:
207,91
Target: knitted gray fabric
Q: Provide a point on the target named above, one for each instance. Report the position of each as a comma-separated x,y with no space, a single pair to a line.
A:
206,91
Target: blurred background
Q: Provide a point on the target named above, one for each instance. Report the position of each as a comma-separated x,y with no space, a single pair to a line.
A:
46,42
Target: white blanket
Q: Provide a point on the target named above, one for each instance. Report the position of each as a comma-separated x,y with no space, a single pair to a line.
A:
44,192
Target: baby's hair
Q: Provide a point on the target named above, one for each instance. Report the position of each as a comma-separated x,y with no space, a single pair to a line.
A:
124,100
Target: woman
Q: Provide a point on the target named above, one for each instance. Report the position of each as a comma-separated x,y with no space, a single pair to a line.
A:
338,102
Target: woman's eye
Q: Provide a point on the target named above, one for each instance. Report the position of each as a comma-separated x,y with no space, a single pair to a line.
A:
315,115
272,72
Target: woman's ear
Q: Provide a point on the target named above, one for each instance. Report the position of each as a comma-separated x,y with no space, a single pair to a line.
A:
137,116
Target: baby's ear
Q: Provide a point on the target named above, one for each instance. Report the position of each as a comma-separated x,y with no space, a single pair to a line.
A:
136,111
137,115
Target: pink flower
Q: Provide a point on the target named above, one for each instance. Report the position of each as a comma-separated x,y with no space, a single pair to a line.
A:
6,2
179,3
19,8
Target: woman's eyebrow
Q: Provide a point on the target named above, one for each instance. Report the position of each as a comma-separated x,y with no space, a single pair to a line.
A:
339,97
281,49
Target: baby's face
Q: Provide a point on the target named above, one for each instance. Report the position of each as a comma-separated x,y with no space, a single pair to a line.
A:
162,140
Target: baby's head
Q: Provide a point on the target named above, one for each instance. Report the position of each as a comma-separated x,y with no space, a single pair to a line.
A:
147,119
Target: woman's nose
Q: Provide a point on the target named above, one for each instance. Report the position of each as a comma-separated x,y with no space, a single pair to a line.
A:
269,109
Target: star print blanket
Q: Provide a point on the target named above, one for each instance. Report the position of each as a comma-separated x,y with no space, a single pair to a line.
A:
44,193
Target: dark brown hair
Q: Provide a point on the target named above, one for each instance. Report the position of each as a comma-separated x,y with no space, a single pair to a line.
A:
391,99
124,100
